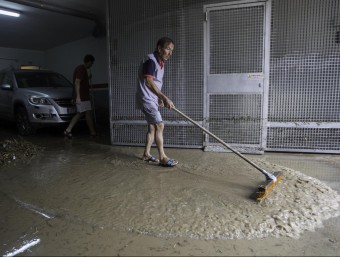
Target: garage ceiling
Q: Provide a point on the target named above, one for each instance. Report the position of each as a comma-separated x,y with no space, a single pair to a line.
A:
46,24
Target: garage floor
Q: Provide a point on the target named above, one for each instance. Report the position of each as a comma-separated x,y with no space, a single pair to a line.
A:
86,197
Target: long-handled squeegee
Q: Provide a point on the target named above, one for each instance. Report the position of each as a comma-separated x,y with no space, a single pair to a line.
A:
271,179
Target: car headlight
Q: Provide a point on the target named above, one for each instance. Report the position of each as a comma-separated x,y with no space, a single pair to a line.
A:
38,100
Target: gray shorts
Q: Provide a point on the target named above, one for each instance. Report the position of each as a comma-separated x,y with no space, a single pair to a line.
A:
152,114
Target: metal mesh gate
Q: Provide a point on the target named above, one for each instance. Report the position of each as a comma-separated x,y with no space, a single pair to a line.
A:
304,92
235,43
135,26
298,112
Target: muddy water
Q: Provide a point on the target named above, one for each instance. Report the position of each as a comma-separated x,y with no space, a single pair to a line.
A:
207,196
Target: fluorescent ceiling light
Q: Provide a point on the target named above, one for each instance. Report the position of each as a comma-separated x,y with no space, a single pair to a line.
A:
9,13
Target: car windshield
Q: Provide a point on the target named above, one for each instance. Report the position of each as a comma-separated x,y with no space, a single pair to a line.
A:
41,79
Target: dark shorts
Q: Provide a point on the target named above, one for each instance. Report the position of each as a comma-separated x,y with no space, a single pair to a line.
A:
152,114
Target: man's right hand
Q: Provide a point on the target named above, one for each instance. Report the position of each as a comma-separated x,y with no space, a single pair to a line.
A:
168,103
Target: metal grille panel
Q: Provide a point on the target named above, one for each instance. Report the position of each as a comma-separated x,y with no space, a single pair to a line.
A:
178,136
134,28
236,49
310,139
173,135
307,84
304,75
135,133
236,118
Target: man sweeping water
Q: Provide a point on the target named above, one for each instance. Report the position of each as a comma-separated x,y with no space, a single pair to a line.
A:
149,98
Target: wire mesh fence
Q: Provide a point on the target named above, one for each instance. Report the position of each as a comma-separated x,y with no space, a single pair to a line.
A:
303,77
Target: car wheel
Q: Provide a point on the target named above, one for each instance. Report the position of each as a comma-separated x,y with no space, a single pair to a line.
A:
24,126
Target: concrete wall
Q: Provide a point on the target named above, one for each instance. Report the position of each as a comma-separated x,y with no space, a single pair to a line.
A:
65,58
12,57
62,59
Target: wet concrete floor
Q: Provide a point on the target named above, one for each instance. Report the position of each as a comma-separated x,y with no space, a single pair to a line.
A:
66,201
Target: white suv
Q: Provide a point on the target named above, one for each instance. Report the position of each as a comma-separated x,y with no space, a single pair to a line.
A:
33,98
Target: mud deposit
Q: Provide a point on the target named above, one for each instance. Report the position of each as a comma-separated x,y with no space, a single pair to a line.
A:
74,191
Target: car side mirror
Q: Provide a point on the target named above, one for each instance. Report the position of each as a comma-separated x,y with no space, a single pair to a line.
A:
6,87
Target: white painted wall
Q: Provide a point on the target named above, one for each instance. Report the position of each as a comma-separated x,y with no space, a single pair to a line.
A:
12,57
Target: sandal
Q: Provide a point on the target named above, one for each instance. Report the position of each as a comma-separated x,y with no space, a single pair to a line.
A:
169,163
150,159
68,134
